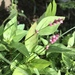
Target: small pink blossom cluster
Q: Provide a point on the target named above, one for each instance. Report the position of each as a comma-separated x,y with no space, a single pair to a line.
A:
56,22
54,38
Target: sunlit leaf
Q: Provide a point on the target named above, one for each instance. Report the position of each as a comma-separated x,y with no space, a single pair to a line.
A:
19,35
39,63
45,42
10,30
59,73
71,40
53,12
39,50
48,11
48,30
19,71
46,21
31,38
36,71
21,26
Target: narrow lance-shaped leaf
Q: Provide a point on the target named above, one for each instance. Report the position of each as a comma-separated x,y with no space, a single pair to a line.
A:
48,11
31,38
21,48
10,30
54,8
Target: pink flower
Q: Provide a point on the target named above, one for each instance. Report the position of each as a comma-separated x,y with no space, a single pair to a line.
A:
56,22
60,20
54,38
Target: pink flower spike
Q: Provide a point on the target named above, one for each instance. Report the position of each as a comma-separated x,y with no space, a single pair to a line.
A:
54,36
54,40
61,21
57,38
55,22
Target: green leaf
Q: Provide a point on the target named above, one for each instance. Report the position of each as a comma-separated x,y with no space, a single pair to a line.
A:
13,65
50,71
51,9
3,58
67,61
1,29
39,63
65,39
46,21
13,12
45,42
48,30
31,38
19,71
21,48
3,47
21,26
32,56
54,8
71,40
59,73
59,48
22,70
48,11
19,35
39,50
41,17
36,71
10,30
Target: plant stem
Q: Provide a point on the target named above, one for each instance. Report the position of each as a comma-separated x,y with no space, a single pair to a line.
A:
67,31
